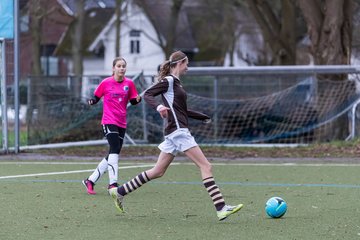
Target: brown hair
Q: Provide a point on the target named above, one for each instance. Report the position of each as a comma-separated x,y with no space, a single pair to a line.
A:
175,58
118,59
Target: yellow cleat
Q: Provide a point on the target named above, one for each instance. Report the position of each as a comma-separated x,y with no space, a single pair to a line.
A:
118,199
227,210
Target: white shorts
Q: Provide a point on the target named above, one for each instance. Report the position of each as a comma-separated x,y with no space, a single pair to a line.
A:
178,141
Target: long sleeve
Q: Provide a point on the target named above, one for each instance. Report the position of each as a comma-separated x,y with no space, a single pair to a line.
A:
197,115
155,90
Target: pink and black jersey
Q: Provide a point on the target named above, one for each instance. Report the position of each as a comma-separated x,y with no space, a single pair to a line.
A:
116,96
174,97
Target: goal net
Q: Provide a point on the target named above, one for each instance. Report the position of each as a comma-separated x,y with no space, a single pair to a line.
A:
302,113
260,107
295,108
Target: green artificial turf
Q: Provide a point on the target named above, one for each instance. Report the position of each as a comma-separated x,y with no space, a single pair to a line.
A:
322,203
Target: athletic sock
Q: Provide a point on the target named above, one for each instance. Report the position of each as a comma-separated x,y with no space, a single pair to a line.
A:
133,184
214,193
99,171
113,167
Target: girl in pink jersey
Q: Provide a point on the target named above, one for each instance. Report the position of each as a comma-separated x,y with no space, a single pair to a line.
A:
116,92
177,136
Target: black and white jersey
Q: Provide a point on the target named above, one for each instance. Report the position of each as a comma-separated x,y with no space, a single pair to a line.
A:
174,97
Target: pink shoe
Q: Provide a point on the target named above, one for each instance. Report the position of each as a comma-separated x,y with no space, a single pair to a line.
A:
89,186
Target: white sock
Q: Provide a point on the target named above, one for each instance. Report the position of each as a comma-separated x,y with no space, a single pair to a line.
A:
113,167
99,171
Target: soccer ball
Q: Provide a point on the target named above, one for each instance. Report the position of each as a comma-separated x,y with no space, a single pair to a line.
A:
275,207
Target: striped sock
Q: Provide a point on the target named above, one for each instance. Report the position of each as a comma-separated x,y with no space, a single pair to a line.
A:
214,193
133,184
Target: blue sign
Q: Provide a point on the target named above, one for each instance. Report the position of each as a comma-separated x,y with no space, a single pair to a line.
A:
6,19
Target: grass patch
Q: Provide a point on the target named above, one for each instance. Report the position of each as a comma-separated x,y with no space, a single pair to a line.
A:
322,203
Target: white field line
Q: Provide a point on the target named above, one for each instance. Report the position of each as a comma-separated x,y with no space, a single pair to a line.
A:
69,172
151,165
65,163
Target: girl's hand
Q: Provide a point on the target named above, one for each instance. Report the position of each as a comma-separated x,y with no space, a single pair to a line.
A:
163,111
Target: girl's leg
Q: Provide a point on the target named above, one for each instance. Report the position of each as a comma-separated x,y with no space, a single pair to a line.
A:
99,171
198,157
89,183
157,171
161,165
113,157
115,136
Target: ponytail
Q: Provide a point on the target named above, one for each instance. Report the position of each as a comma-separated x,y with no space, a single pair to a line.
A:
164,70
175,58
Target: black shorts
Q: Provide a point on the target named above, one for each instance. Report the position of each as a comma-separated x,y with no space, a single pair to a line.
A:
111,128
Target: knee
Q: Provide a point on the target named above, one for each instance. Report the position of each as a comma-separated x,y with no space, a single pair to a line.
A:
155,173
159,173
115,149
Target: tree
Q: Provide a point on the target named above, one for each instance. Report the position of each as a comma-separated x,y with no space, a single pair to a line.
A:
215,29
212,25
37,13
165,37
77,46
329,25
38,10
278,26
118,4
77,38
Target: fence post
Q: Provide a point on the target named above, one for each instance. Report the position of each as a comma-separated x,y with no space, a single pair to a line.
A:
5,144
16,76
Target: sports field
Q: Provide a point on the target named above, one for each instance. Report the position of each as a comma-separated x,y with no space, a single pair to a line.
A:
46,200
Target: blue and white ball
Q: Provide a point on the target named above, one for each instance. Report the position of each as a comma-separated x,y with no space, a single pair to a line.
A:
275,207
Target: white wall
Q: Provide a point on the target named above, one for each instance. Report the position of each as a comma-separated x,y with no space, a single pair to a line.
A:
95,66
147,60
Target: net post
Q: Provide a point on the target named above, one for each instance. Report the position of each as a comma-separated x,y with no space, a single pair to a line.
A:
215,109
353,120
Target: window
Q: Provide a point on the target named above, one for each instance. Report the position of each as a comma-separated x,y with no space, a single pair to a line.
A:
135,41
135,33
24,23
134,46
50,65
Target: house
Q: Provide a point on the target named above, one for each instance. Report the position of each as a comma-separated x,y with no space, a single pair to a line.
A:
140,33
140,52
95,20
54,24
138,38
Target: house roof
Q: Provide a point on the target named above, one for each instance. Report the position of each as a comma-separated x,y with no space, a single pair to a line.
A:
100,18
95,19
99,38
70,5
160,12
